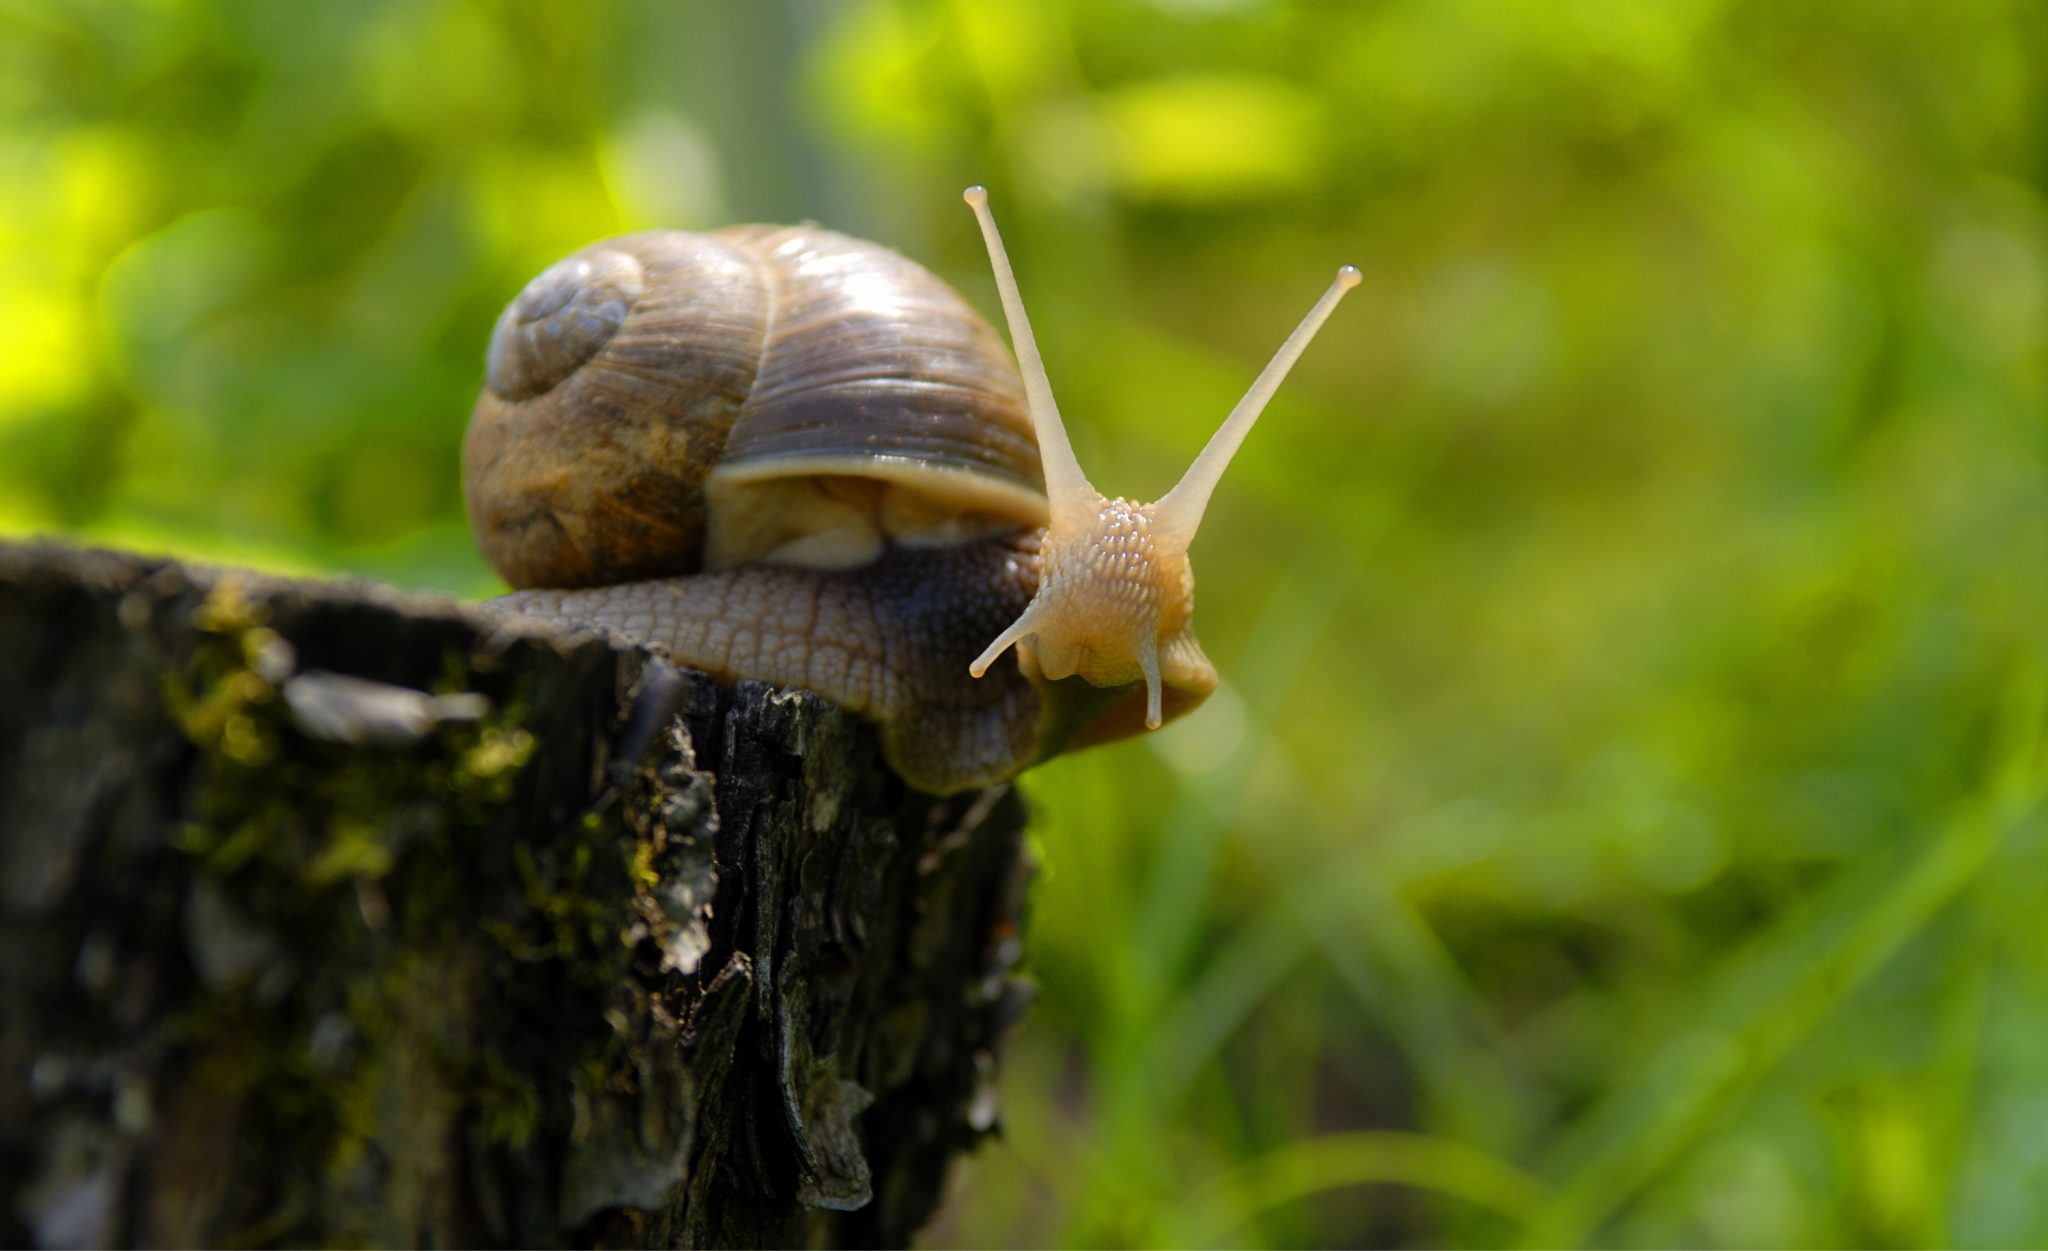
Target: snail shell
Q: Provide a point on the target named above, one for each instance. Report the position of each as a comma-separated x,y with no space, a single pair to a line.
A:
666,402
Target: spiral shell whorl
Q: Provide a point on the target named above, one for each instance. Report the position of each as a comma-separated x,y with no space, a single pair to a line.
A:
562,319
611,383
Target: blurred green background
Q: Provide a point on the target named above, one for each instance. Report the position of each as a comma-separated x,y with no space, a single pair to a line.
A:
1622,822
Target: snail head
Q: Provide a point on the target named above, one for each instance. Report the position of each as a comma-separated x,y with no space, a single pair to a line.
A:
1115,599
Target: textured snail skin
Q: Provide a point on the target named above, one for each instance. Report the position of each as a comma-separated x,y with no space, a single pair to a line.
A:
889,641
1112,579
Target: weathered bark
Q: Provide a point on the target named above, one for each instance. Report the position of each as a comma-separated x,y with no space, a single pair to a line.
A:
333,915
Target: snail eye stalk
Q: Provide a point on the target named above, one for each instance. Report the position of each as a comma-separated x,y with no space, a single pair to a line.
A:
1179,511
1066,487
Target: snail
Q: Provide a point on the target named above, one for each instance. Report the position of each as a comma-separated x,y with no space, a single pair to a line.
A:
787,454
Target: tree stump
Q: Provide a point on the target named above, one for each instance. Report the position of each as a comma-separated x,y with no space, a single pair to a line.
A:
334,915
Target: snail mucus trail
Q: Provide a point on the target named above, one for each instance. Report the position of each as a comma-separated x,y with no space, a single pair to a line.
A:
978,646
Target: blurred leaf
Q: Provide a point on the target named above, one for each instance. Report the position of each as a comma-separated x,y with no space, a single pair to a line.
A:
1310,1165
1208,137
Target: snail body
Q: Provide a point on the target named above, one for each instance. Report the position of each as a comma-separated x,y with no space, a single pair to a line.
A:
787,454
